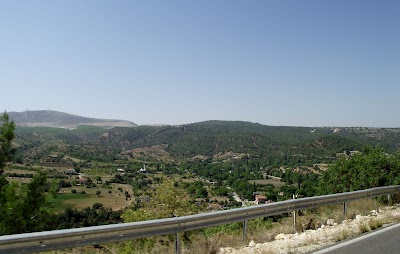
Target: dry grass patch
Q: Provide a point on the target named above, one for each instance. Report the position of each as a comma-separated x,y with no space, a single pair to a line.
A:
268,235
375,223
342,235
364,227
363,207
201,244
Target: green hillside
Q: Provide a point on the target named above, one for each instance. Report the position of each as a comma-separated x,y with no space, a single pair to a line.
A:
274,143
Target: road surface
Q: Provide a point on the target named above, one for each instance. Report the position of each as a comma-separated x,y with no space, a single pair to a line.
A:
385,241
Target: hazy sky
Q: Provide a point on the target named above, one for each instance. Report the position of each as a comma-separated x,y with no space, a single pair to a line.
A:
297,63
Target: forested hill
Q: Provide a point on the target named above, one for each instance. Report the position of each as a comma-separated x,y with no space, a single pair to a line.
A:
210,139
50,118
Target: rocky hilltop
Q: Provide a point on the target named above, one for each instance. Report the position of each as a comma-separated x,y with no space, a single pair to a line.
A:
50,118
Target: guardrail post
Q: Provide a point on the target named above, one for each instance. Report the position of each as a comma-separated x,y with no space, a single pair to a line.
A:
345,209
389,200
177,244
294,222
244,230
294,218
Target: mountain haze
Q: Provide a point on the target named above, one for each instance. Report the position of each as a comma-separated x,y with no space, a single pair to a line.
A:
50,118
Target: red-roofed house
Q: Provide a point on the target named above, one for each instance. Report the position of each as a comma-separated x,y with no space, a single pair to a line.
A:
260,199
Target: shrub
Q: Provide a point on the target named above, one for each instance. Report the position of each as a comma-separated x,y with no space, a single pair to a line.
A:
342,235
364,227
375,223
97,205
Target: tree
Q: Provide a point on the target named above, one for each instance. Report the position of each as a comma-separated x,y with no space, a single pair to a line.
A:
168,200
127,195
55,187
7,129
7,197
34,210
373,168
22,206
98,193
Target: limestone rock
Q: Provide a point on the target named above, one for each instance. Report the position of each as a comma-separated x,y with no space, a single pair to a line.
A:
280,236
330,222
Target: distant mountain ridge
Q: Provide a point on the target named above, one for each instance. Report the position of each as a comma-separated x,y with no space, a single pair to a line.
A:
50,118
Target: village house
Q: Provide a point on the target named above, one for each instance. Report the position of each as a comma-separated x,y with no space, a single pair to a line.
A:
261,199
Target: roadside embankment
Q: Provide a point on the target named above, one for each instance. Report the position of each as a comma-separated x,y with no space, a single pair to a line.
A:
324,235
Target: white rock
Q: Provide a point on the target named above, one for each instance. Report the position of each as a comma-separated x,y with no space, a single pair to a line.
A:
252,244
280,236
330,222
225,250
374,213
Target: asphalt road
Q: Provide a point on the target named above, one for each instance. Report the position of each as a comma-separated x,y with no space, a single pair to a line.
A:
383,241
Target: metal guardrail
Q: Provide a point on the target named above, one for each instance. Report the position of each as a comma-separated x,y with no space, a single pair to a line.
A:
70,238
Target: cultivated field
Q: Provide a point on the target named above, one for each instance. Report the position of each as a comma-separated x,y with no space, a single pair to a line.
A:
267,181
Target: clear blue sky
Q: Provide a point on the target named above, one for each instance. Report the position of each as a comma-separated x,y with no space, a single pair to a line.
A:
297,63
